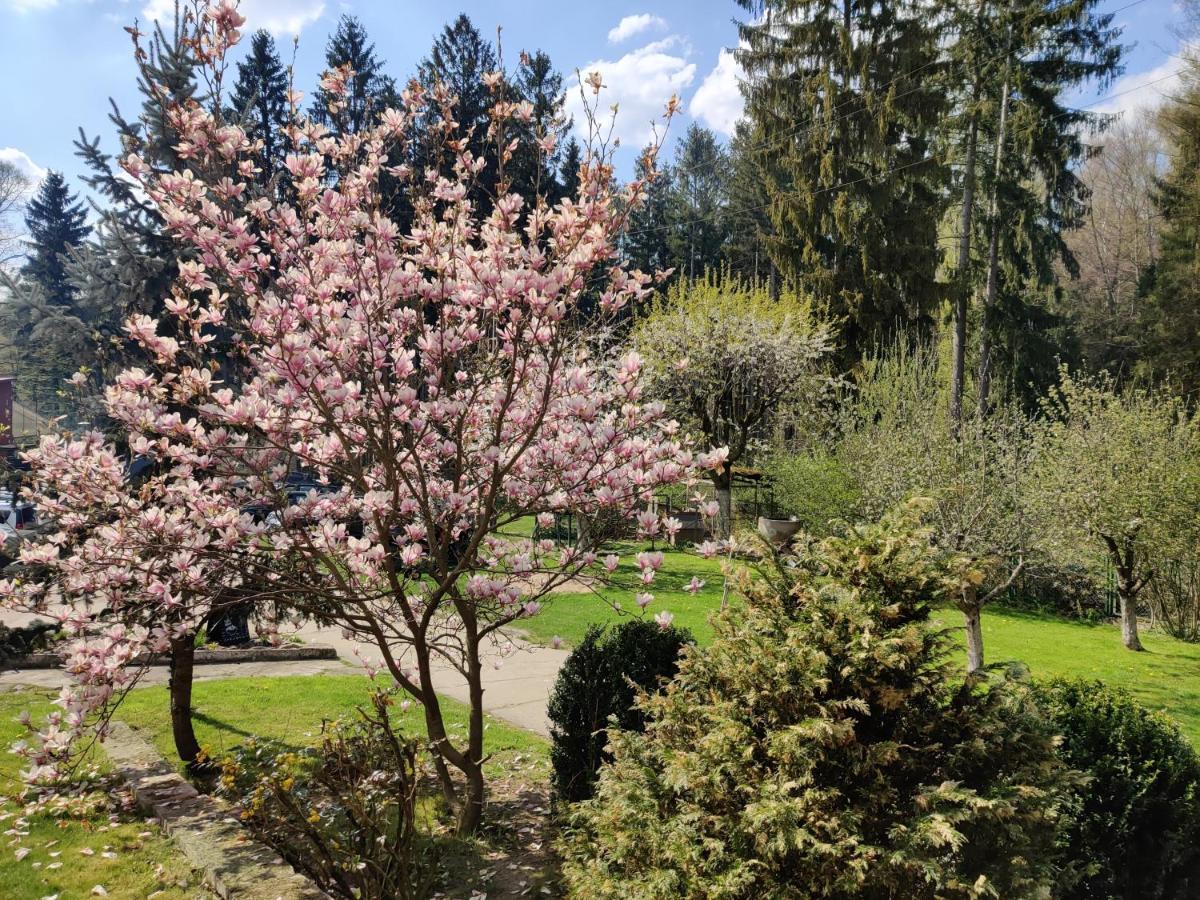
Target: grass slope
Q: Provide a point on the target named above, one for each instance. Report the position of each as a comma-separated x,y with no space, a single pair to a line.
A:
228,711
1166,677
568,615
140,859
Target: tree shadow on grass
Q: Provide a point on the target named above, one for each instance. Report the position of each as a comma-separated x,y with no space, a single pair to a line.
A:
226,728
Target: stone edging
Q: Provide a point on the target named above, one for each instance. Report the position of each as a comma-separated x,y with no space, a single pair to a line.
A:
204,828
203,657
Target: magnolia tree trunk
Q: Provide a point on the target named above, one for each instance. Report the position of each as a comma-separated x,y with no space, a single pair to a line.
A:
183,655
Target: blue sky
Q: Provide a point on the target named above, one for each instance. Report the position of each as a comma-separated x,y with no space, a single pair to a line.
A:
60,60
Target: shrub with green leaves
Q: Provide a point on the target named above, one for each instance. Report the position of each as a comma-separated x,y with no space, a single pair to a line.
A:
816,489
345,813
822,746
600,679
1135,829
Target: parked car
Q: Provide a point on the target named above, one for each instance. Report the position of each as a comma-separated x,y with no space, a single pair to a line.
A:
10,544
19,514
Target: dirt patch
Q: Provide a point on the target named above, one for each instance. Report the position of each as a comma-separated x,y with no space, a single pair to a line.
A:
512,856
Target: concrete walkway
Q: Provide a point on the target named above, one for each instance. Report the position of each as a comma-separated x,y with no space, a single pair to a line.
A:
516,691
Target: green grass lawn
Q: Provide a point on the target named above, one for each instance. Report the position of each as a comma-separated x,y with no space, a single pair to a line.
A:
1166,677
88,842
568,615
226,712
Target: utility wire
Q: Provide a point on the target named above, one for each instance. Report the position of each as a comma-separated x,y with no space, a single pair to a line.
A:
887,173
781,139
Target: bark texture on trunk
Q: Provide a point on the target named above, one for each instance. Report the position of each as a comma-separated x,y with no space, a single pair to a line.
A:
1129,623
1123,552
723,489
993,273
963,292
973,616
183,656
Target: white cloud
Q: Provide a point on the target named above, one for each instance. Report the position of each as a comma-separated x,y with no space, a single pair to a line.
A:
631,25
640,83
1144,90
23,163
283,18
718,102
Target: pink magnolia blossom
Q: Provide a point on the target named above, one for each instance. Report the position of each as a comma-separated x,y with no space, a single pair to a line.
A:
432,379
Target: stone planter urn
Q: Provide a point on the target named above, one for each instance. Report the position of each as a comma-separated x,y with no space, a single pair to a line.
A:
778,531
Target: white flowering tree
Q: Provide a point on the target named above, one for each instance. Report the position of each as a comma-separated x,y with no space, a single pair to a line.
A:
435,381
727,357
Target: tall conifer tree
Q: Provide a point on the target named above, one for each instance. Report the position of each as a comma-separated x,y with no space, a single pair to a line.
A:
698,195
1014,63
1170,319
260,103
747,219
459,59
646,243
57,224
370,91
532,172
568,168
856,191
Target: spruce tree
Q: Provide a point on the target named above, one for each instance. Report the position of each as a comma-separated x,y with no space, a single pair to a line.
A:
646,242
458,60
856,190
370,92
1021,144
57,223
1170,318
40,319
131,262
531,172
568,168
748,222
260,103
697,202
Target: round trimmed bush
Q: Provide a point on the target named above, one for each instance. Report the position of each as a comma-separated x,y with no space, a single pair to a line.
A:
1135,829
600,679
823,746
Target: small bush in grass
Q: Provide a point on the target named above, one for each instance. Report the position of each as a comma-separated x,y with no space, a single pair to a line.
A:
601,678
345,813
822,746
1135,832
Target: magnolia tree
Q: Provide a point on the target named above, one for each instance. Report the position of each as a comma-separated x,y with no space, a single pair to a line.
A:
433,380
1117,483
727,357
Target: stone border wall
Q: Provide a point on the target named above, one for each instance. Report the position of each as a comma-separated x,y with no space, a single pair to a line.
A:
203,827
203,657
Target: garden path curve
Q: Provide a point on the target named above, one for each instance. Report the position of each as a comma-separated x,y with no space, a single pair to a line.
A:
517,685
